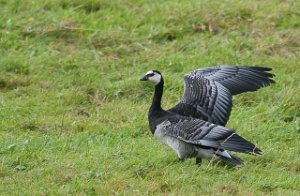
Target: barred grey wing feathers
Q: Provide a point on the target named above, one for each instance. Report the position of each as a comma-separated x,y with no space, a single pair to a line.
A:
208,92
210,100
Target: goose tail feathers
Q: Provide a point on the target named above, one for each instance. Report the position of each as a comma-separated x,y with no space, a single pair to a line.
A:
234,161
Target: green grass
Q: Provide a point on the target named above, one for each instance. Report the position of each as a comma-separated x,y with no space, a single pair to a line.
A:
74,115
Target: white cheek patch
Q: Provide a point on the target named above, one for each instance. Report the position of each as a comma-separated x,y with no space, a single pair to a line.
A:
155,79
149,72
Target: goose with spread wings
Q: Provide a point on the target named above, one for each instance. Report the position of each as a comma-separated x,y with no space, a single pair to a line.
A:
195,126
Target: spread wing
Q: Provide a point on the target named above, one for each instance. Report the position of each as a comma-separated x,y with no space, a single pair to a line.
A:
208,92
208,135
237,79
204,99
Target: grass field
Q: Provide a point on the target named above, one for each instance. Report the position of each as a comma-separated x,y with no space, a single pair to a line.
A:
74,115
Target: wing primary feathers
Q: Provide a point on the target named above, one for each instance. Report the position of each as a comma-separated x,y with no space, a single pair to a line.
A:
234,77
238,144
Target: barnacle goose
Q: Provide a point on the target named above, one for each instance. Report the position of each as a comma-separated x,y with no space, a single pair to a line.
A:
195,126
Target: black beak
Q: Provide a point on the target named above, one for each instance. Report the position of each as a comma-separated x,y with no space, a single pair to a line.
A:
145,78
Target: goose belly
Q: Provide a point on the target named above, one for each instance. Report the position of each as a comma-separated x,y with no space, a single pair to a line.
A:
183,149
205,153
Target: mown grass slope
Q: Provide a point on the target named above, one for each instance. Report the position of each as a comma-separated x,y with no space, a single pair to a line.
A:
74,115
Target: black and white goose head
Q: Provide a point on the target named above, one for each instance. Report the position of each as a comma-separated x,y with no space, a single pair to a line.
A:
153,76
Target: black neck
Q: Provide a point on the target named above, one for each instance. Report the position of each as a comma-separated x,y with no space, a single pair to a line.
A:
156,102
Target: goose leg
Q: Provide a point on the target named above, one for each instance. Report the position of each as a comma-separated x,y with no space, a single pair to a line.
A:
180,160
198,161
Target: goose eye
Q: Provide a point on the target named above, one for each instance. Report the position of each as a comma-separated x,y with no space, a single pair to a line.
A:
150,75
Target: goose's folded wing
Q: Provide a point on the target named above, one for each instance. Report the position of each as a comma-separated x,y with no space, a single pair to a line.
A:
208,135
204,99
237,79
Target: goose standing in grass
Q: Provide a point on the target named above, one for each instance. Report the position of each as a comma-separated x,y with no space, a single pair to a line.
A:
195,126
